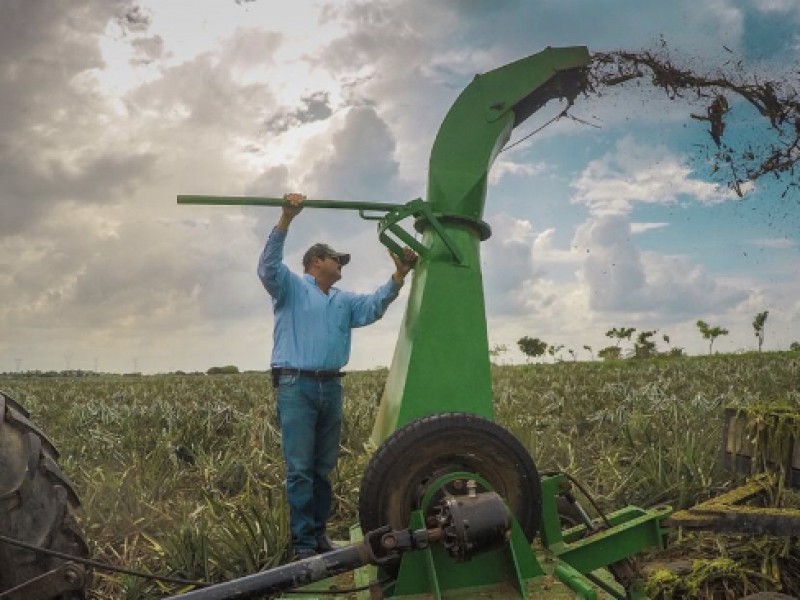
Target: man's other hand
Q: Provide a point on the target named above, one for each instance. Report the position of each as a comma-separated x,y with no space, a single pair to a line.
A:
403,264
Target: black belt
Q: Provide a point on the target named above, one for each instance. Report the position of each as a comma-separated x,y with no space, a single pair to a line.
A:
278,371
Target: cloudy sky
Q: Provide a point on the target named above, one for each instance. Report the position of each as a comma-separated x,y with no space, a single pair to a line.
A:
111,108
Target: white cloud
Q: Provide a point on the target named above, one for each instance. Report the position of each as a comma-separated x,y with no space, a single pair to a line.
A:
109,111
545,251
602,271
723,15
794,312
355,160
644,227
502,167
778,243
778,6
618,277
640,173
506,263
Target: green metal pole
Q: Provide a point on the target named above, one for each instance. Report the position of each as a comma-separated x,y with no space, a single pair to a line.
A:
262,201
441,361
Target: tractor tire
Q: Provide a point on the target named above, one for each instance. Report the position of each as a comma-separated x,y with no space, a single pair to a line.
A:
414,456
37,503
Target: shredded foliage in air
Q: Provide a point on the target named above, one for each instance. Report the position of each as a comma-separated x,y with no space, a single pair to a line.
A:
776,101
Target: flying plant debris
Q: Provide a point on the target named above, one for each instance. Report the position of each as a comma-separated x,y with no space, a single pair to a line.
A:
778,102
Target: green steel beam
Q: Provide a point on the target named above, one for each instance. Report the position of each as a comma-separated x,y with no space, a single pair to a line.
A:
641,530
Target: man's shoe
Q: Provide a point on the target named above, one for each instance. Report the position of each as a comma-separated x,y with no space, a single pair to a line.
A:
324,544
303,553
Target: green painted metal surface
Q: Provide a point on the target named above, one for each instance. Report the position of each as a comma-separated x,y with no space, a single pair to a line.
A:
441,361
433,572
579,551
480,123
612,545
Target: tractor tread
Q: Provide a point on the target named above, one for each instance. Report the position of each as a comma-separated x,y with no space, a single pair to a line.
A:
37,501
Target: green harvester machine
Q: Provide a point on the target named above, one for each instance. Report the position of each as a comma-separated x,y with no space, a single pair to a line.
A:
451,504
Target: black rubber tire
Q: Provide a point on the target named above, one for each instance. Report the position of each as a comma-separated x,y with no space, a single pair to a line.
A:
396,476
37,502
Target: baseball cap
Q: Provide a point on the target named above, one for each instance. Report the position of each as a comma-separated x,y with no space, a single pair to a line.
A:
323,251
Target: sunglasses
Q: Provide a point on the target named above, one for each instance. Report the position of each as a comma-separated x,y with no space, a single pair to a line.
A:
338,259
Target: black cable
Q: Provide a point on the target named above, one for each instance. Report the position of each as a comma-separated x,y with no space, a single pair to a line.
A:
102,566
563,113
584,491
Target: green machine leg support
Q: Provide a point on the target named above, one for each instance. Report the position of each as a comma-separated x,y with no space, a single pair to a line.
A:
433,372
432,572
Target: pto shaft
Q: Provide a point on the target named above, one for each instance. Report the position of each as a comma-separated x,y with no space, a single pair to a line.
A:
293,575
467,525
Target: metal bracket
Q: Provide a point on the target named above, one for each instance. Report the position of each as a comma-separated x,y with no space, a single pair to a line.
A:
420,209
66,578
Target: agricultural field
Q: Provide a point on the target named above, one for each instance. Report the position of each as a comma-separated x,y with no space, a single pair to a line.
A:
182,474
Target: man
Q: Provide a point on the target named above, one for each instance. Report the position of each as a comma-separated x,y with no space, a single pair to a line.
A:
311,343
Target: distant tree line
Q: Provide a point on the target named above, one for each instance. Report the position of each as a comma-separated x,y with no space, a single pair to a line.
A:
644,344
65,373
226,370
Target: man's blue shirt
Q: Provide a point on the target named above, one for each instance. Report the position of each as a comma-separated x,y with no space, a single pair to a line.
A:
312,329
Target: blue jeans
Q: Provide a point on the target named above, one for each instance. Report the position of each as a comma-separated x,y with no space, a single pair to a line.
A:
310,414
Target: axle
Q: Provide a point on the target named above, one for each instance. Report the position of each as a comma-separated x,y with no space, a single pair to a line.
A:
465,526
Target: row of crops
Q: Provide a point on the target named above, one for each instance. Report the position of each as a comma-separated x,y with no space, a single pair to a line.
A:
183,475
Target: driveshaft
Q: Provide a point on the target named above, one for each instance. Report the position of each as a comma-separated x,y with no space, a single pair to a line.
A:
466,525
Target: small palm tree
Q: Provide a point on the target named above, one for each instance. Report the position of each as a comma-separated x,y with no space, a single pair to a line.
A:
758,326
710,333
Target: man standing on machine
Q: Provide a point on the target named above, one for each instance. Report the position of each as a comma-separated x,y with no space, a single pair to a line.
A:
311,344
